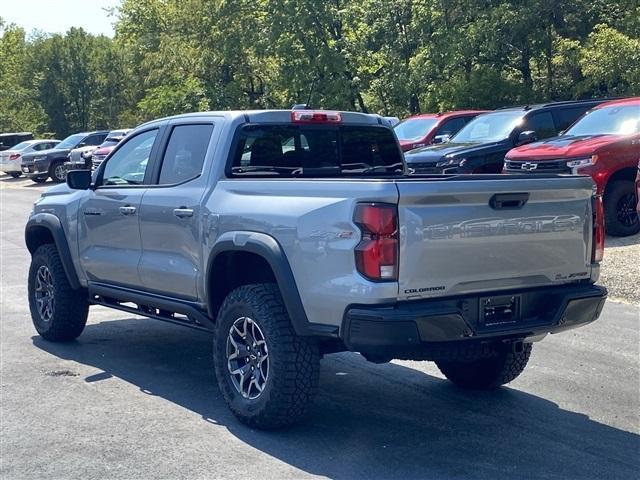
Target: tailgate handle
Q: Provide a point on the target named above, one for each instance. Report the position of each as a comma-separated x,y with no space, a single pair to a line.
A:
504,201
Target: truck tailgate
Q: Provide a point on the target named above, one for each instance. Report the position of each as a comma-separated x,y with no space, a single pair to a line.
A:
462,236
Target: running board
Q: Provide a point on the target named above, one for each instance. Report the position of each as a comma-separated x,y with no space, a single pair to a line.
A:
178,312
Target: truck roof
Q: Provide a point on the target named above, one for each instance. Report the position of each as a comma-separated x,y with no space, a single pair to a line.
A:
275,116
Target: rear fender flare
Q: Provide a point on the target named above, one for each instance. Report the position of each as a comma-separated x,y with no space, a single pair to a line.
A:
270,250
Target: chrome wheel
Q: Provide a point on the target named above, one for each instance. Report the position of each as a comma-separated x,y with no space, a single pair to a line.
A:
247,358
45,293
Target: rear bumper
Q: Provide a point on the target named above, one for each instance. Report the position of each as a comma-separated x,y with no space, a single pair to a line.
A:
9,167
408,326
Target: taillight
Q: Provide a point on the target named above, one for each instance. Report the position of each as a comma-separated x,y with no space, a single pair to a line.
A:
597,248
315,116
14,156
377,252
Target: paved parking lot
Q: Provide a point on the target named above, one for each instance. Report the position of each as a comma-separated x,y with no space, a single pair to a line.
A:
135,398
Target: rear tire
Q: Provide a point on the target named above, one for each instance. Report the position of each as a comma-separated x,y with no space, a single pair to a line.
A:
59,313
281,368
58,172
487,373
621,217
15,174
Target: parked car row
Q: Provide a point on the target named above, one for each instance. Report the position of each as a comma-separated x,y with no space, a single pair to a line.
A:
11,159
589,137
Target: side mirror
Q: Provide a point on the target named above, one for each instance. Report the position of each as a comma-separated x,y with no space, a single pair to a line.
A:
441,138
525,137
81,144
79,179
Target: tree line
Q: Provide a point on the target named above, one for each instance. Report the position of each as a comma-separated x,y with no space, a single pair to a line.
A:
393,57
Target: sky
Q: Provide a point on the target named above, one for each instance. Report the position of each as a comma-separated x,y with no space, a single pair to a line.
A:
57,16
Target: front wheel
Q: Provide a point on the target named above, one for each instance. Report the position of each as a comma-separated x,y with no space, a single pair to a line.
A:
267,374
58,172
39,179
488,373
59,313
621,217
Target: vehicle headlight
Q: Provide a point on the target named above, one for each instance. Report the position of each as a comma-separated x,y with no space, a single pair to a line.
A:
39,157
582,162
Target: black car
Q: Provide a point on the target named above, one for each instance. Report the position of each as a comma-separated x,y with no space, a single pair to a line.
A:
8,140
480,146
50,163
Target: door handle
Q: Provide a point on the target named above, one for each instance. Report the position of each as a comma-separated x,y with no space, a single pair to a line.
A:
127,210
183,212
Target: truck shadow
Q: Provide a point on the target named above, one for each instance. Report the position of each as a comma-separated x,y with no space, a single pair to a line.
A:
369,421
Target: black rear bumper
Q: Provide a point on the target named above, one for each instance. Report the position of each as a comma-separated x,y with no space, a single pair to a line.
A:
391,330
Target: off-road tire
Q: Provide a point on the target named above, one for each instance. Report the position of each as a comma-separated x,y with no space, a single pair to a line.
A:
53,170
294,361
487,373
620,194
70,308
15,174
39,179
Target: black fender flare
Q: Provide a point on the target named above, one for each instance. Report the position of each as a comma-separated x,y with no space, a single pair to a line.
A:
52,223
270,250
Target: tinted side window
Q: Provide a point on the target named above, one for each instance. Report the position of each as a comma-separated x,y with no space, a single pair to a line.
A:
565,117
542,124
93,140
41,146
451,127
184,156
128,165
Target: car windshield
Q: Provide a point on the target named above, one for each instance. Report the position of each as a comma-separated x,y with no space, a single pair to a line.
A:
491,127
613,120
71,141
21,146
316,151
414,128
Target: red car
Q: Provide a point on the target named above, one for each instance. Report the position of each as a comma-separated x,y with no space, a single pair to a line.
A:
427,128
100,153
603,143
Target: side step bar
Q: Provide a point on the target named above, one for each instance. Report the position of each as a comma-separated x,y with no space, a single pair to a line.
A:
171,310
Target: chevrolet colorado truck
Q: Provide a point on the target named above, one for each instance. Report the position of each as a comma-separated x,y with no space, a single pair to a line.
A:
293,234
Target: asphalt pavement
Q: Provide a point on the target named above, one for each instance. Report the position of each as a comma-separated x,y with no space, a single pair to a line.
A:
134,398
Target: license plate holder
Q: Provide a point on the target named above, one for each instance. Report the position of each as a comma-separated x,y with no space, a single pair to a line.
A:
500,310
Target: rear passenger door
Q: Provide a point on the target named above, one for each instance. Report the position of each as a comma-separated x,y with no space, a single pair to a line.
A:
170,214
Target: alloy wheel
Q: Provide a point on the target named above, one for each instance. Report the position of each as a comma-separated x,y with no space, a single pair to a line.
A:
627,214
45,290
247,358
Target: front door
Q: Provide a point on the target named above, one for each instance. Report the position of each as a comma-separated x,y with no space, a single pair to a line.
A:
108,218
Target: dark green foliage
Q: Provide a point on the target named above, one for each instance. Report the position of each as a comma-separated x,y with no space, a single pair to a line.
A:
393,57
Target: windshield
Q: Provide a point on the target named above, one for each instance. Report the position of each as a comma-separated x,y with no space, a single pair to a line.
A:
414,128
491,127
21,146
71,141
613,120
315,151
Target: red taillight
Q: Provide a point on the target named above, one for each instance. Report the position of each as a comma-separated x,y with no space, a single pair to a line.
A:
377,252
315,116
597,248
15,156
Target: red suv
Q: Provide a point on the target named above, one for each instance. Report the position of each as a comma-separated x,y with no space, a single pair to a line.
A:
603,143
427,128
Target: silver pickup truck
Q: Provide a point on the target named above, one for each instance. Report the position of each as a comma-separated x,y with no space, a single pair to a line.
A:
294,234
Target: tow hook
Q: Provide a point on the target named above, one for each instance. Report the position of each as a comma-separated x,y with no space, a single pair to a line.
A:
517,346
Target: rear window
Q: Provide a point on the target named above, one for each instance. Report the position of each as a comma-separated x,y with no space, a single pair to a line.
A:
315,151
